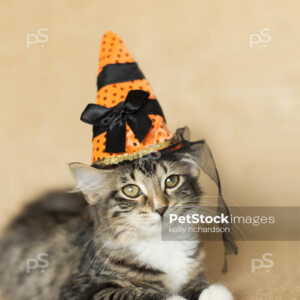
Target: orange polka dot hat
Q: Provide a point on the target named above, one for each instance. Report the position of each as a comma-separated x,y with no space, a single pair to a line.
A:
128,122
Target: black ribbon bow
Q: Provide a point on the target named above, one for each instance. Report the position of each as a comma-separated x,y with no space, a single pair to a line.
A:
134,111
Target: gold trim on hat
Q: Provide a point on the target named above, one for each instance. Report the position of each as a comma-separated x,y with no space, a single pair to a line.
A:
133,156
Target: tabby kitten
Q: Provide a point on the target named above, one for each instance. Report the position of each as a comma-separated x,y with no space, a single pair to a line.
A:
62,248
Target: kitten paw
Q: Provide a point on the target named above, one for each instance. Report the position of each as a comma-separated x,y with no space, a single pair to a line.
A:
175,298
216,292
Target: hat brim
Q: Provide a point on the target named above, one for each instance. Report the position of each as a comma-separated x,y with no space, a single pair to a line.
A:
179,144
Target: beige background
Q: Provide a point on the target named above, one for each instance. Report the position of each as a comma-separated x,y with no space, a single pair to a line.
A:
196,54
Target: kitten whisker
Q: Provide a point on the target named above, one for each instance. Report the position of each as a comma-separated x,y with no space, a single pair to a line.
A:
112,253
100,250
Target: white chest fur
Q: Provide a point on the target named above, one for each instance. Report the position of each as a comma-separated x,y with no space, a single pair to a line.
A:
171,257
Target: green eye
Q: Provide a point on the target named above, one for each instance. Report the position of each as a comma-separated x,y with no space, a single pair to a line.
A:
172,181
131,190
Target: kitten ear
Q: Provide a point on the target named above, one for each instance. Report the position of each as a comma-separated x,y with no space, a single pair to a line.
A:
194,153
201,155
193,158
90,181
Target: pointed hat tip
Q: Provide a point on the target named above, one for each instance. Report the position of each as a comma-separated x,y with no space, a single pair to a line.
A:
109,33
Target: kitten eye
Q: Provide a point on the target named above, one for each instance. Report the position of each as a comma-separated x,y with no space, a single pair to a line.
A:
131,190
172,181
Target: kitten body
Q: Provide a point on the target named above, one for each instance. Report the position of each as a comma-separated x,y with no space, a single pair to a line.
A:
61,248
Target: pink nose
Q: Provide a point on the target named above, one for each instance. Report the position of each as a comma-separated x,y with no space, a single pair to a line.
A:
161,210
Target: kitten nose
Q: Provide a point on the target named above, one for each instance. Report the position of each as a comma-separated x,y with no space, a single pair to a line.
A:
161,210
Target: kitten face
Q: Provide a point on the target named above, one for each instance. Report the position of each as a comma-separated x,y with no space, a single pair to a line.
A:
162,186
138,195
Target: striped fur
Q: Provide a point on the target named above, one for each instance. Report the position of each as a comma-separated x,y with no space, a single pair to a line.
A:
111,249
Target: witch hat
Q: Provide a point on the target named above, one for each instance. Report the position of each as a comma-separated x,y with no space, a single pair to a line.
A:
128,120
